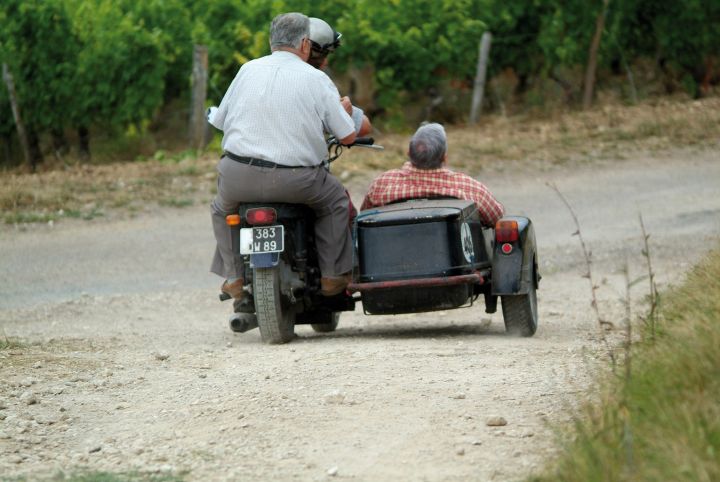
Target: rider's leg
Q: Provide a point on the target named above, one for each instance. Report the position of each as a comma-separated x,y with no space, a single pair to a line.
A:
226,263
332,234
315,187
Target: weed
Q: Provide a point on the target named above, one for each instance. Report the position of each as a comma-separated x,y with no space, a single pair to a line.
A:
189,171
8,343
29,217
587,256
650,319
661,419
176,203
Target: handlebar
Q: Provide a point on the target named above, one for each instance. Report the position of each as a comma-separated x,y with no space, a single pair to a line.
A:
363,141
359,141
335,148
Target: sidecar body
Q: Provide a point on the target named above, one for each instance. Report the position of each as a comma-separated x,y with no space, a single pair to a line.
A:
435,254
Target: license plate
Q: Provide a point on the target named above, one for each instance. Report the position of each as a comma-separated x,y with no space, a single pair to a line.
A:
267,239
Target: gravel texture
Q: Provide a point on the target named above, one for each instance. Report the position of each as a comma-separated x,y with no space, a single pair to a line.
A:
130,365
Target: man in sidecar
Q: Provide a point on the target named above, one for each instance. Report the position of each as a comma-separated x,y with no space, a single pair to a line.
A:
426,175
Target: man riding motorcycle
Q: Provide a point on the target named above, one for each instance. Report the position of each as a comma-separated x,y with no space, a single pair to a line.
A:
273,117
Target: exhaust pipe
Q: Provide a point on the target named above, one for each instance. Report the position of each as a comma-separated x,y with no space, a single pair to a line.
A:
242,322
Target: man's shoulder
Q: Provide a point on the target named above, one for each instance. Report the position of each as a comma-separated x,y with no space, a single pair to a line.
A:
391,174
461,175
258,61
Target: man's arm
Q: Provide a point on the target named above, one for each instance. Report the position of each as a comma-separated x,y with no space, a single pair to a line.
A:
348,139
217,119
335,118
490,208
362,123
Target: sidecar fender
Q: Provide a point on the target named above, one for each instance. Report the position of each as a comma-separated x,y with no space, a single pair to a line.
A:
514,260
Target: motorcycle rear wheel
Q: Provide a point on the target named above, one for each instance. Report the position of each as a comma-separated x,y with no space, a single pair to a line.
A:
275,319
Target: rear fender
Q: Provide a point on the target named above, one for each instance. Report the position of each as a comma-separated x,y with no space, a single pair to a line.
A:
515,272
264,260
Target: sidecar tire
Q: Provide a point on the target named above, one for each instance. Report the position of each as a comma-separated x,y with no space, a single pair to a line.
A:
275,320
520,313
332,318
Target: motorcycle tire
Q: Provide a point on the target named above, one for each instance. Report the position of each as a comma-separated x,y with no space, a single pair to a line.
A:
275,319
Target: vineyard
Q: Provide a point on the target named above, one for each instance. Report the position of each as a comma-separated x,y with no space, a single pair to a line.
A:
84,68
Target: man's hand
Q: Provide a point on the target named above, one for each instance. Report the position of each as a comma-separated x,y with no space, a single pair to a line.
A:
349,139
347,105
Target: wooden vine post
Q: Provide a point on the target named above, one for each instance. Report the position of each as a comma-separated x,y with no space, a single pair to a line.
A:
22,135
479,87
198,120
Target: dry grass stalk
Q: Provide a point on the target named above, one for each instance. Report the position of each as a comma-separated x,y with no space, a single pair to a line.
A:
587,256
650,319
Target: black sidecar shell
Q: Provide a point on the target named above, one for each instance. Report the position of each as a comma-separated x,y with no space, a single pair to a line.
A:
420,239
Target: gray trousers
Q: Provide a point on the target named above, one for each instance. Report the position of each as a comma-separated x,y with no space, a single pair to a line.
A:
314,186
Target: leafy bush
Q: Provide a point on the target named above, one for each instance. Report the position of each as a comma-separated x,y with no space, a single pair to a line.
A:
106,64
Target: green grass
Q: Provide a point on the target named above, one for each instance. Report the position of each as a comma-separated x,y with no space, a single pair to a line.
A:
176,203
10,343
663,421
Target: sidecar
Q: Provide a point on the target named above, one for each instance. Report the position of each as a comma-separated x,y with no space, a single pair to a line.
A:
435,254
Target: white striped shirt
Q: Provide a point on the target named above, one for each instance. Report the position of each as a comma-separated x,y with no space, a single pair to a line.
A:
277,109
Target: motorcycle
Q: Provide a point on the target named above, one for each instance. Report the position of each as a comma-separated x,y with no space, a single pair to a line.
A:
277,244
411,256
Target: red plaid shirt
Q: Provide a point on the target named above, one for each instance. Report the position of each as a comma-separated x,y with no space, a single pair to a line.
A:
410,182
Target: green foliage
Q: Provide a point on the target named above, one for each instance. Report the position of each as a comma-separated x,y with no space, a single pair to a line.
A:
107,64
234,32
171,26
411,44
7,124
515,27
39,47
120,73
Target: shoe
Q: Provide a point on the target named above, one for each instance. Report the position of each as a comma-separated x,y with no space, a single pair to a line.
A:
332,286
234,289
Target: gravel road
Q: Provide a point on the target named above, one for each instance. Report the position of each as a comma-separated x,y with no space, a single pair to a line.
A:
131,366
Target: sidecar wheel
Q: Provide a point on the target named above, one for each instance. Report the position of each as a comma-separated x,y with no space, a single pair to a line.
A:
275,319
332,318
520,313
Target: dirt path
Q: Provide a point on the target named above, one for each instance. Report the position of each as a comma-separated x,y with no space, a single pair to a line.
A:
132,365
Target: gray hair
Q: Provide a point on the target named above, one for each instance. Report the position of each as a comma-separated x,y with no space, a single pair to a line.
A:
428,146
288,30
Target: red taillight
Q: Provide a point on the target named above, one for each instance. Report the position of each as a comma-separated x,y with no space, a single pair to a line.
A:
261,216
506,231
506,248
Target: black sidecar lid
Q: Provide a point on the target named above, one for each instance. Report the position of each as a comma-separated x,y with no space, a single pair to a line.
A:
417,211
